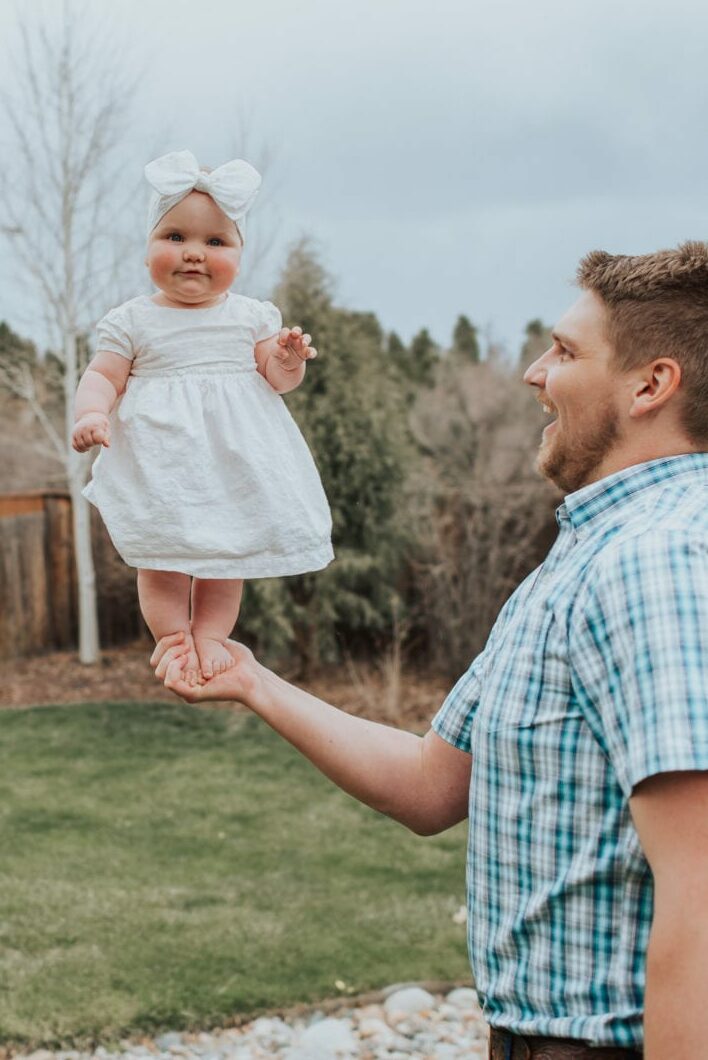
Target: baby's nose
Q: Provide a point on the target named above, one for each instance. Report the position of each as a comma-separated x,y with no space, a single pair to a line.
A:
192,253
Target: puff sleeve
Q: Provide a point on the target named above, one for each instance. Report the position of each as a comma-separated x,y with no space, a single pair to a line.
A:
113,334
270,321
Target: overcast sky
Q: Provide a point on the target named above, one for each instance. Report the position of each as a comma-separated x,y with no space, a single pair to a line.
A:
446,156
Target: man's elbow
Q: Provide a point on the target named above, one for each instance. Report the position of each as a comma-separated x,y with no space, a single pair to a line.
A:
427,828
432,821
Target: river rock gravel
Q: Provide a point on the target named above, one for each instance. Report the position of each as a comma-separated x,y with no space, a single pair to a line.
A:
406,1023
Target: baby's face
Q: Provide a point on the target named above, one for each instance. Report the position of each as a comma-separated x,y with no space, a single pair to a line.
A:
194,253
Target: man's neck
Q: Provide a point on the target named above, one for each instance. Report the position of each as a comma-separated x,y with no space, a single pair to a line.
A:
642,451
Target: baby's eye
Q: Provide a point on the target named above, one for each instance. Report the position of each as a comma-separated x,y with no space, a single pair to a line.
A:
215,242
175,237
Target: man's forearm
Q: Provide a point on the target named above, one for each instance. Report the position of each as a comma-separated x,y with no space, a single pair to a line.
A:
676,1011
380,766
423,782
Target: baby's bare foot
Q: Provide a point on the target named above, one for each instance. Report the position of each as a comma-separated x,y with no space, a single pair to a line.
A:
214,658
192,673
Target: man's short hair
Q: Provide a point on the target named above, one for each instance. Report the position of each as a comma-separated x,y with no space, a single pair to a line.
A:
658,307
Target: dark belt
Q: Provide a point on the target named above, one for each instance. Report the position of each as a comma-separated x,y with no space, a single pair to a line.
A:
506,1046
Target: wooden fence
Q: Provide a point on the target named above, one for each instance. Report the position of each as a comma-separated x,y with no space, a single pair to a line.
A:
38,592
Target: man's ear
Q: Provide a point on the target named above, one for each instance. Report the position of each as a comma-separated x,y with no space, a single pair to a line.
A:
656,383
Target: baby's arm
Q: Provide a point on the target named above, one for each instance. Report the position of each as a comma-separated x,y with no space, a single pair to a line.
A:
101,385
281,358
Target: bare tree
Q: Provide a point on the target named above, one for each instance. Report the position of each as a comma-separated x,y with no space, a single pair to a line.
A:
66,116
485,518
264,223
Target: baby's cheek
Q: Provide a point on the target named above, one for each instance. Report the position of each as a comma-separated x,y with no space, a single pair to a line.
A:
162,259
224,269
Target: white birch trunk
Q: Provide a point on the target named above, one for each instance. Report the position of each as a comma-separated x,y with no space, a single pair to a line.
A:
81,517
85,572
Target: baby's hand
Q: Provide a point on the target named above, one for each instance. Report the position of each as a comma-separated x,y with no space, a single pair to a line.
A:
92,429
291,341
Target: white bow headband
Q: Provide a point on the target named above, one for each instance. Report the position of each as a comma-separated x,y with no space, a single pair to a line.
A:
233,186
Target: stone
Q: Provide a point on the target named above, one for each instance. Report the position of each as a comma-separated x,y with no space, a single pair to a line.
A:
375,1027
274,1029
463,997
327,1039
409,1001
446,1051
168,1041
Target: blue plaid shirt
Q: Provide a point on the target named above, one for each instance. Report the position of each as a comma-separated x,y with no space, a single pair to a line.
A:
594,677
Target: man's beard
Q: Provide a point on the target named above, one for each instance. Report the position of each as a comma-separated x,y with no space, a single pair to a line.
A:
570,461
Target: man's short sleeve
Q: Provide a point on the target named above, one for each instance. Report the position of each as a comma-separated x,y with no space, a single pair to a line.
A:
638,642
453,722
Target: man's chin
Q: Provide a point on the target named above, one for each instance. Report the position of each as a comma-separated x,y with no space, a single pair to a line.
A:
545,461
551,466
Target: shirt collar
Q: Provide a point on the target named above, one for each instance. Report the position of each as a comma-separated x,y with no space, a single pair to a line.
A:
586,504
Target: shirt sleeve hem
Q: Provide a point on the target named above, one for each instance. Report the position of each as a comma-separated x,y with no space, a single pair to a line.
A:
438,727
695,760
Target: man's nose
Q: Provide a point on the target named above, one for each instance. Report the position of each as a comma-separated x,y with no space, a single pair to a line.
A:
535,374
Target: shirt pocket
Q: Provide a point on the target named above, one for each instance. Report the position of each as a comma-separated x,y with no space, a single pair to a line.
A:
528,683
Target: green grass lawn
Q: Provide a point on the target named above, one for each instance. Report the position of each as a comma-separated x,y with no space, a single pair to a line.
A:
164,866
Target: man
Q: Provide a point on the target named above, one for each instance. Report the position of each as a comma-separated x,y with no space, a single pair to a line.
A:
578,739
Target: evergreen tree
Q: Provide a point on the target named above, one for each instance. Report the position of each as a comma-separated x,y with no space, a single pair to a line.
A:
352,412
397,352
538,339
465,343
16,353
423,357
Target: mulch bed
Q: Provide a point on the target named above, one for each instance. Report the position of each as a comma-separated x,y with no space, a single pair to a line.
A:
125,674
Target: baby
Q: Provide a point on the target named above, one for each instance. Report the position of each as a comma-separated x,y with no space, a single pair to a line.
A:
203,478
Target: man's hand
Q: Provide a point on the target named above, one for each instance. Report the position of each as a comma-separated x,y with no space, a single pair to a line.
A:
240,683
92,429
293,348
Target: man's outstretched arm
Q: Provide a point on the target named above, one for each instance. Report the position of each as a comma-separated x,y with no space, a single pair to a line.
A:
421,781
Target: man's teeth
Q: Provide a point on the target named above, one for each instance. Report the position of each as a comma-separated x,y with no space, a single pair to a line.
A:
548,409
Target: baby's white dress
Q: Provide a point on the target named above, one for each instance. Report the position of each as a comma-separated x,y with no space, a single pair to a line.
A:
207,472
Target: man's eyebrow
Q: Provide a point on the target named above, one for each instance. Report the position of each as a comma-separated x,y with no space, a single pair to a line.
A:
564,340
